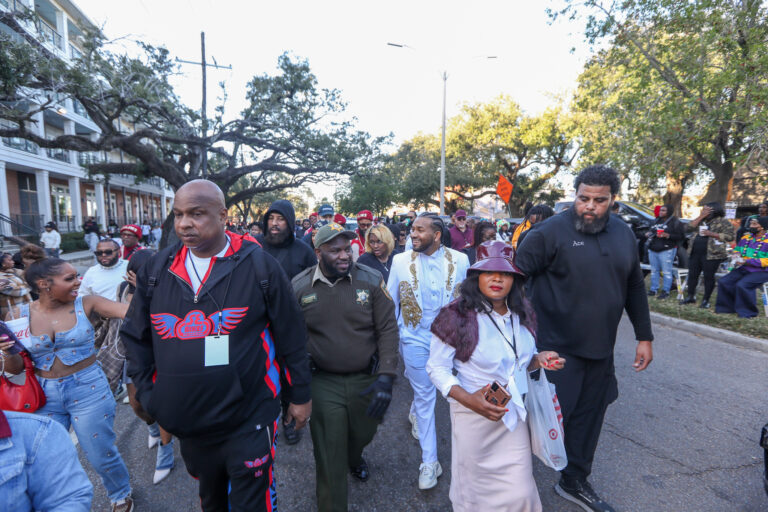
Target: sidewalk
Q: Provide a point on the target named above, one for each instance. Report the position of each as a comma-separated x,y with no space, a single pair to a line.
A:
79,257
700,329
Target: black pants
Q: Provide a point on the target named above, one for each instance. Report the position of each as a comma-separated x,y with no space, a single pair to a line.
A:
696,265
234,471
585,388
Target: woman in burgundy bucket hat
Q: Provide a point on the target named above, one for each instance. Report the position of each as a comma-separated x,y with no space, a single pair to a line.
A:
487,336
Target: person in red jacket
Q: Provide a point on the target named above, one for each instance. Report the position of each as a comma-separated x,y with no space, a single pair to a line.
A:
203,351
130,234
364,223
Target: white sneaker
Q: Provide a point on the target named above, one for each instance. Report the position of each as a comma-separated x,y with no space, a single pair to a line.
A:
414,426
428,474
152,441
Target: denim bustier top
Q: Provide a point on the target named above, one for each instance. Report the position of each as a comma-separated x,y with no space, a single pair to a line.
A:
70,346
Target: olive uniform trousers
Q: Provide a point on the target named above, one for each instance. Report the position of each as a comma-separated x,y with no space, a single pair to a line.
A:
340,430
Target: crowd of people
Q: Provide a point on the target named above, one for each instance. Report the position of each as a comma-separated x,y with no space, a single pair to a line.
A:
238,332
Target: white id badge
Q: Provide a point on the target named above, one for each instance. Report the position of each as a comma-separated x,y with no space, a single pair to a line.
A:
216,350
521,380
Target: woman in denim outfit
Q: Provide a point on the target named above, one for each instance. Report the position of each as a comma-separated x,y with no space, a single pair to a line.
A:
61,345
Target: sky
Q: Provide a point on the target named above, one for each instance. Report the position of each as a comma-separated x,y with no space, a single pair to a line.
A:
388,89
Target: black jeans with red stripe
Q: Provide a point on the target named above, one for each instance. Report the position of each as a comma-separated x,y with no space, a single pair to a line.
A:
234,471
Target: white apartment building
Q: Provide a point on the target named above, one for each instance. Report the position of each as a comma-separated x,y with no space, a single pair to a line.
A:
38,185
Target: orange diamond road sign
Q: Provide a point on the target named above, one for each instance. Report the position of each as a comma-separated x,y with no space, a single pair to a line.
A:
504,188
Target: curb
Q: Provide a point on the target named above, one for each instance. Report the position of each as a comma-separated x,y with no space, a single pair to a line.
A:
726,336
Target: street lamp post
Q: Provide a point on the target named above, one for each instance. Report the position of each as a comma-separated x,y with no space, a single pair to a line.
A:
442,142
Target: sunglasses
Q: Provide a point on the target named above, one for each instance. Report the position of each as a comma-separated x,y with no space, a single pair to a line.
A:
461,218
104,253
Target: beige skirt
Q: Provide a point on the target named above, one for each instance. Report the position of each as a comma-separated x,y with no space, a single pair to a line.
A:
491,467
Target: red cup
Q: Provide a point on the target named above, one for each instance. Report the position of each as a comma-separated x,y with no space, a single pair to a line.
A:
659,232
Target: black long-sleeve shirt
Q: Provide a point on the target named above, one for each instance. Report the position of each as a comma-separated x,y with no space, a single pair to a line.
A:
581,284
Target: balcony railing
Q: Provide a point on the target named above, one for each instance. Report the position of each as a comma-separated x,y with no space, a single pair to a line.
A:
16,6
74,53
61,155
65,223
49,34
93,157
21,144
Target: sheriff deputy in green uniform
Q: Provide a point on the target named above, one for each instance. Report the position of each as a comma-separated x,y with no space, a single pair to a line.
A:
353,341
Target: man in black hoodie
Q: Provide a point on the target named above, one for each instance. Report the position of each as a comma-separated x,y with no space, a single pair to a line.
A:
280,242
294,256
210,319
586,271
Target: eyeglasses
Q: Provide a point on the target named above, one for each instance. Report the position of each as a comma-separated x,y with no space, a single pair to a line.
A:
104,253
461,218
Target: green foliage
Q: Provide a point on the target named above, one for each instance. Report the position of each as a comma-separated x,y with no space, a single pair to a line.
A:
73,242
484,141
679,88
375,190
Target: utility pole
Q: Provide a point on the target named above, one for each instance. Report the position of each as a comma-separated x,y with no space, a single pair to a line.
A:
444,76
204,65
442,151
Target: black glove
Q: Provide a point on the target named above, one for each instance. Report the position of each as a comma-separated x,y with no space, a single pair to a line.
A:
382,395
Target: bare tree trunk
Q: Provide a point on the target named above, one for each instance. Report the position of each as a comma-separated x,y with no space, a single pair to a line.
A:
718,187
169,234
516,205
676,182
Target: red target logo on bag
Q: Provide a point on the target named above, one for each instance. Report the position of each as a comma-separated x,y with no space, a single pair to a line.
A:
552,434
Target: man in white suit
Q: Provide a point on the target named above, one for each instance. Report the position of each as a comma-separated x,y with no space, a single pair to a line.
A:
421,281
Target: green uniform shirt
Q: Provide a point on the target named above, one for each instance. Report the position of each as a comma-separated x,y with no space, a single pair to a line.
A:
349,320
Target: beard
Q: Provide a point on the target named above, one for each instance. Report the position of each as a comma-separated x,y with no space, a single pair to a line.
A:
421,248
330,271
278,238
591,228
111,263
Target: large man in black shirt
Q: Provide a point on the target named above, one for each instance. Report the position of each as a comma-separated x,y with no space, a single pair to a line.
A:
585,270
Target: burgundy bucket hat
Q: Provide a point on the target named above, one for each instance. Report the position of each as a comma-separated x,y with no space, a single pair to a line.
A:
496,256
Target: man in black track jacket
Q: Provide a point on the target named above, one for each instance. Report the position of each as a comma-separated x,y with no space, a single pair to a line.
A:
209,322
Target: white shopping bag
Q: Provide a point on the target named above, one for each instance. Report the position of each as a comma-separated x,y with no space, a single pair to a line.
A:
545,422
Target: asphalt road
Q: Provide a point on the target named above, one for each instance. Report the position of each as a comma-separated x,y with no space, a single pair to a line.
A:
681,437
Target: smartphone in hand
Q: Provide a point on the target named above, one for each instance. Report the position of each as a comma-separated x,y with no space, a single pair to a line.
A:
497,395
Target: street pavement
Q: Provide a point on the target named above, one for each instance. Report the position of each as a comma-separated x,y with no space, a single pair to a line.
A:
683,436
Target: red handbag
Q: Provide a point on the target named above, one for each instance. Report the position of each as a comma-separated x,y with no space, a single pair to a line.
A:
27,397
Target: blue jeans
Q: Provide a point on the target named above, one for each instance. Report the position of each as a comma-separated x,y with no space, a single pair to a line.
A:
84,401
662,262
